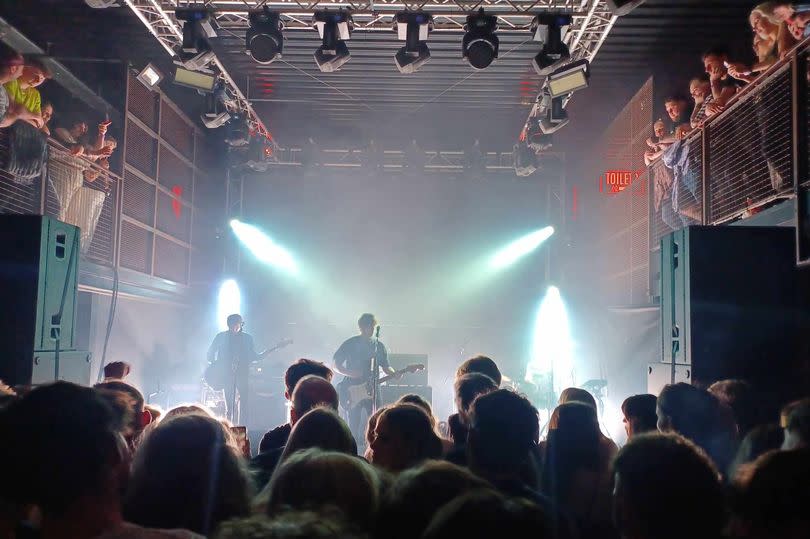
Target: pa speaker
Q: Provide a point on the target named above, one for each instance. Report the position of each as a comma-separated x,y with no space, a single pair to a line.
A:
623,7
38,282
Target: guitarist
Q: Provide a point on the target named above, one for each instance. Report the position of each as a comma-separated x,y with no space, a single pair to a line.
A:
353,360
230,355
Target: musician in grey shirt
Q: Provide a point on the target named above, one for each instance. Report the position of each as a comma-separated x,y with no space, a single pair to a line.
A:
353,360
230,355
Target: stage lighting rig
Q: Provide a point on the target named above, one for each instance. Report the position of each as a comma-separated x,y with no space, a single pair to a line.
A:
202,82
550,29
569,78
195,51
216,111
556,117
264,40
412,27
335,28
238,132
480,44
524,160
623,7
150,76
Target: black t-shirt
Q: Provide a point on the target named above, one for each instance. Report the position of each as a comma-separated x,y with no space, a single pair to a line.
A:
233,348
356,352
275,438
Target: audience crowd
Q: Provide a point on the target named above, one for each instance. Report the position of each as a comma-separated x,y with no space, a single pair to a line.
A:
77,159
776,28
80,462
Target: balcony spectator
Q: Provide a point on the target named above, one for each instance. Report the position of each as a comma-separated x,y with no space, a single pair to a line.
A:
795,15
46,115
66,168
656,147
11,68
701,91
677,107
23,90
723,85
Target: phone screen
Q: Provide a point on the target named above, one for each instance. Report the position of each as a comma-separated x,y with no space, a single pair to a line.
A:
240,433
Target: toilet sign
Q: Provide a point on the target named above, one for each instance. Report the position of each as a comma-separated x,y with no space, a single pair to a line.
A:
613,182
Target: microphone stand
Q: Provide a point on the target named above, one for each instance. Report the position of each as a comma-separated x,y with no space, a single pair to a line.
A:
375,373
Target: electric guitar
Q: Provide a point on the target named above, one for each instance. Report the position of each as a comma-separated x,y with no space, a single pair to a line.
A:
353,391
219,373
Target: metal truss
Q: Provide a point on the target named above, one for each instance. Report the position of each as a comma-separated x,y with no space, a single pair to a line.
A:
592,23
397,160
158,17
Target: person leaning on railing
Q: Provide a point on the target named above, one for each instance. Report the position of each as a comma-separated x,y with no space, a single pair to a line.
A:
796,15
11,68
23,90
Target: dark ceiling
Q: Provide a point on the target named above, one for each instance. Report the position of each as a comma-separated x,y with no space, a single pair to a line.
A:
446,103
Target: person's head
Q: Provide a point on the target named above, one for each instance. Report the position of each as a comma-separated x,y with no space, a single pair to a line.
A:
699,88
117,370
467,387
314,479
323,524
639,414
773,499
741,399
413,498
576,394
110,142
309,392
504,427
758,441
482,365
418,400
659,128
34,73
187,475
62,450
763,22
46,111
715,57
235,323
77,129
321,428
188,409
299,369
572,445
485,513
665,487
138,417
367,323
675,106
11,64
797,429
404,437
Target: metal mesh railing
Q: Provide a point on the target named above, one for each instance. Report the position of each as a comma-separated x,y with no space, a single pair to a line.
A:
750,149
68,187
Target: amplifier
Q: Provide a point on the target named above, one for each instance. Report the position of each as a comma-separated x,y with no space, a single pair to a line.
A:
390,394
400,361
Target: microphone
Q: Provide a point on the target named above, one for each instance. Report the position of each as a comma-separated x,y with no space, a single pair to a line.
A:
377,333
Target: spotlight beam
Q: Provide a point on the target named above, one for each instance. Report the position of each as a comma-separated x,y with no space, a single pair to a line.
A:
229,301
263,247
519,248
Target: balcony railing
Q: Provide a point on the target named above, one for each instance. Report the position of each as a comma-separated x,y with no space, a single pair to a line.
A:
38,175
748,157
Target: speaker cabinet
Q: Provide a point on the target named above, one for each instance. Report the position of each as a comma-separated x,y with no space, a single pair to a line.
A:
38,282
734,305
390,394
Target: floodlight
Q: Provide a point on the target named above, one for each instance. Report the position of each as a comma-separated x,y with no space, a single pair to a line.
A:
569,78
150,76
264,40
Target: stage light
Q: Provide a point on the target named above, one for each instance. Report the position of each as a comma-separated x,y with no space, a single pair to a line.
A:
264,40
556,117
622,7
229,301
202,82
263,247
412,27
524,159
238,134
569,78
195,52
334,29
552,347
550,29
519,248
216,113
150,76
480,44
